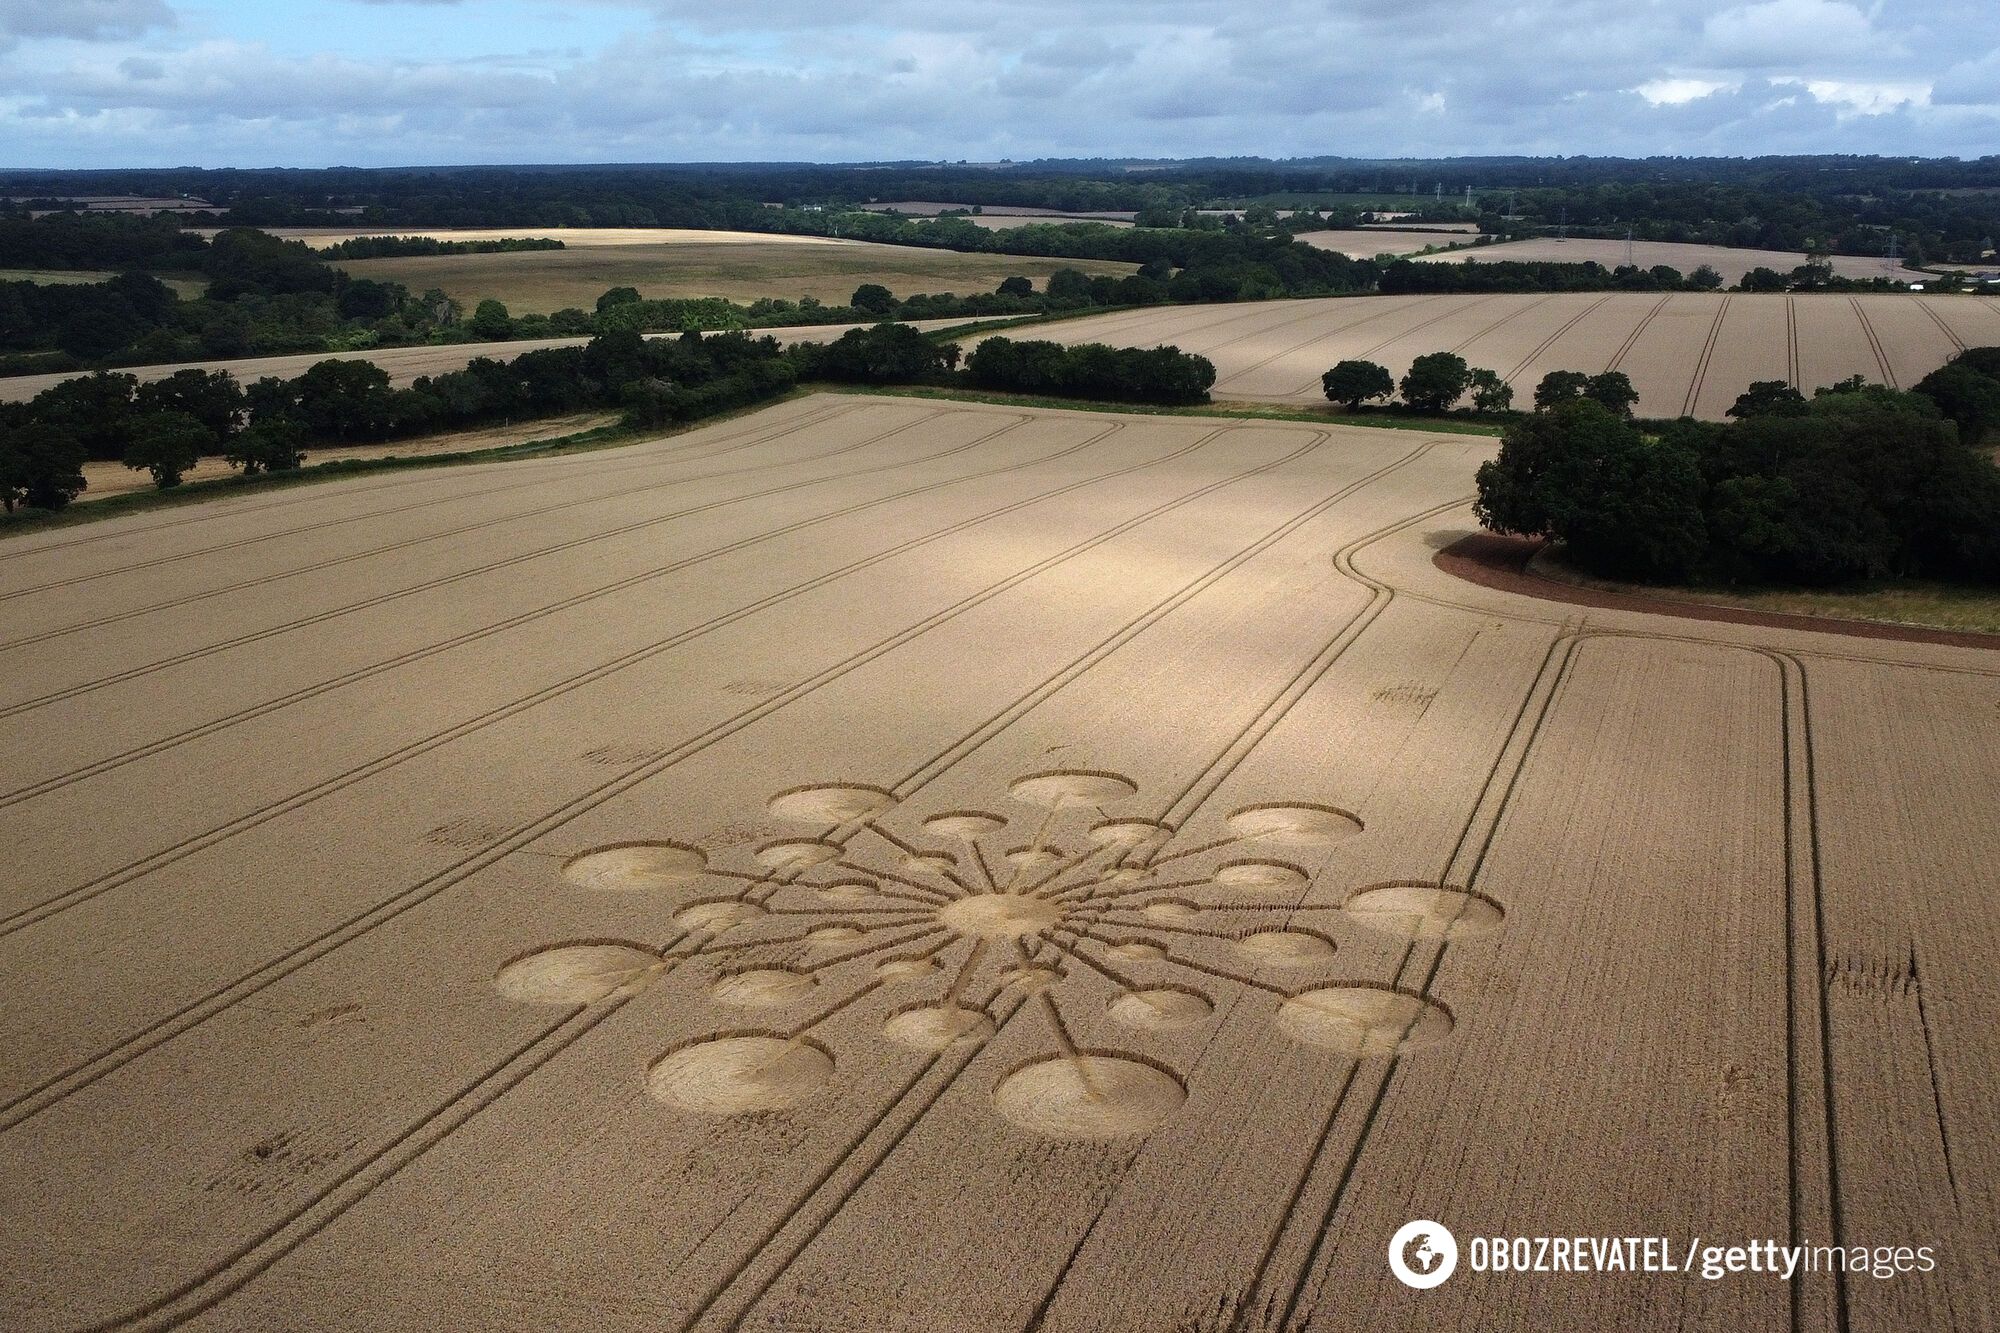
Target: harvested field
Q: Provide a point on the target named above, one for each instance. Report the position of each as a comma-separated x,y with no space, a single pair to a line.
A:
405,364
1376,242
1686,352
1009,221
544,281
582,238
738,880
187,286
108,479
1730,262
930,208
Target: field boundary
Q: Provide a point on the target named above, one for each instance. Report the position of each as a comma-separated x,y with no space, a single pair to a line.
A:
1501,563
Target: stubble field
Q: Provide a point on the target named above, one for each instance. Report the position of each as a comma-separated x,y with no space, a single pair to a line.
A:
1730,261
540,282
1686,353
405,364
878,864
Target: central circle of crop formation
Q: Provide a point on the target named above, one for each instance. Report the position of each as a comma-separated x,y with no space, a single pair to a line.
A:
1009,916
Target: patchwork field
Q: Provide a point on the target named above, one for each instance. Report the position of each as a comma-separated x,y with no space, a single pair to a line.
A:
1686,352
732,881
543,281
1730,262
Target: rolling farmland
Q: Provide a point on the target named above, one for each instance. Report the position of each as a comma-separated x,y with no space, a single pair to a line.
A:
1731,262
405,364
731,880
1686,352
738,267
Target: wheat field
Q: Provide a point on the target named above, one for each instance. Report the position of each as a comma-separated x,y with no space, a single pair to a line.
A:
1686,353
730,881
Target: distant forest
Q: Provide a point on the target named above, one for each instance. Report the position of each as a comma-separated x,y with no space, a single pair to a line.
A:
1936,210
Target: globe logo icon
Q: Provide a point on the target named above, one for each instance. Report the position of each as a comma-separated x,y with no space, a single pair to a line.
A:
1422,1254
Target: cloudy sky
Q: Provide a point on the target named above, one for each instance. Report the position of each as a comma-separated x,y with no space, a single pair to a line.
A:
87,83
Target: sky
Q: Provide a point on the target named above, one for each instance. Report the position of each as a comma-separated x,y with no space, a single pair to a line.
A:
137,83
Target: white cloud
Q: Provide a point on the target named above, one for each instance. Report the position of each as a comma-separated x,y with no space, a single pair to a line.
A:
1016,78
1676,92
1867,99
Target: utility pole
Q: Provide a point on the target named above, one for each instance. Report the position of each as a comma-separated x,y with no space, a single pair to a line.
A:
1562,227
1628,249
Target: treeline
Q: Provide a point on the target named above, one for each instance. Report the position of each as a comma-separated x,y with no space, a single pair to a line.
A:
1936,209
1164,375
167,426
1860,481
1405,277
263,296
898,354
401,247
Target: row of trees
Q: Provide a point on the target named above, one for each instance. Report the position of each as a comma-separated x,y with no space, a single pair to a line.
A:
168,425
1163,375
1440,381
1860,481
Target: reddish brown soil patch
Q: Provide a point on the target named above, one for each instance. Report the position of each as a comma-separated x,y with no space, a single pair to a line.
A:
1493,561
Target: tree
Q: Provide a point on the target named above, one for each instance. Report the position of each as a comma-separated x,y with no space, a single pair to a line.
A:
1967,395
213,398
1436,381
1355,382
166,444
1560,386
1768,398
269,446
41,466
1621,504
440,309
93,410
1612,390
491,321
872,298
1761,279
618,296
365,298
1704,278
882,354
1068,287
1017,286
342,400
1490,393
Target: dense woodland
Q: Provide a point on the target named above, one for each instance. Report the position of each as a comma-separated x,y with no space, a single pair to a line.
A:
1860,481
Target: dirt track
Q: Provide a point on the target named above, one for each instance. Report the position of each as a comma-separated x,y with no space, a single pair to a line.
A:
737,880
